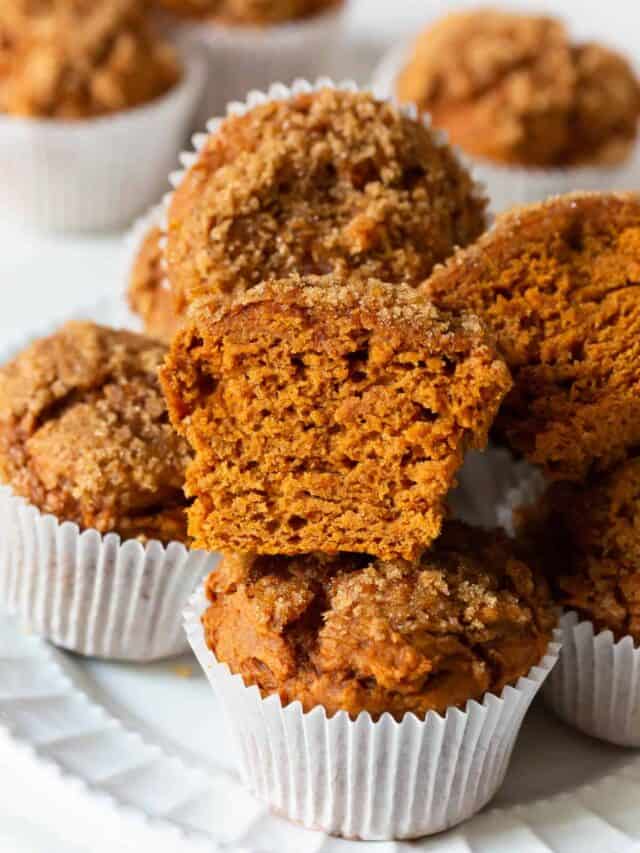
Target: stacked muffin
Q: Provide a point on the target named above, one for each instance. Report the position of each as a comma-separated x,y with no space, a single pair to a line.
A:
328,406
557,284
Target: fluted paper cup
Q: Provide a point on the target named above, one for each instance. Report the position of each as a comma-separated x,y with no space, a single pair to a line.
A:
492,485
93,593
596,684
95,174
509,186
242,58
364,779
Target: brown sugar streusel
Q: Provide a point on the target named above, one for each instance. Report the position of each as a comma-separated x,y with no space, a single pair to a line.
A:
352,633
85,435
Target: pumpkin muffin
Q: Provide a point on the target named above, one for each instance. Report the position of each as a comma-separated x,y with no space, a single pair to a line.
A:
557,283
328,415
149,294
352,633
261,13
325,182
592,551
78,59
85,434
514,89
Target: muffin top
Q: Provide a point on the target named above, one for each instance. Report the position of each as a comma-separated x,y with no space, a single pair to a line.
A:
557,283
85,435
328,182
149,294
351,633
513,88
75,59
594,562
328,415
249,12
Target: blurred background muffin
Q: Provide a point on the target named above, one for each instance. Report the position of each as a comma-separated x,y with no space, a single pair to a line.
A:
516,91
94,107
79,58
251,44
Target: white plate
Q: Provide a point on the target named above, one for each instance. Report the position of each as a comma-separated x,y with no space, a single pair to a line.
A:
135,756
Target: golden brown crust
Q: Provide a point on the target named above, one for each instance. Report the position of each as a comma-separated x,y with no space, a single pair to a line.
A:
328,415
85,435
149,294
259,13
595,560
513,88
329,182
557,283
76,59
356,634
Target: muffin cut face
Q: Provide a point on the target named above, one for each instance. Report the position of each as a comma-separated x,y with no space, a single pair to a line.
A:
513,88
85,434
355,634
327,415
557,283
595,528
327,182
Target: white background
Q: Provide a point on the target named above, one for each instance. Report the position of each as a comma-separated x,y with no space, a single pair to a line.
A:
42,277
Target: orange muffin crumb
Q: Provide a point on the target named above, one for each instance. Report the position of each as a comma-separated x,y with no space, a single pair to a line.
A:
328,182
79,59
594,563
354,634
249,12
327,415
513,88
557,283
149,293
85,434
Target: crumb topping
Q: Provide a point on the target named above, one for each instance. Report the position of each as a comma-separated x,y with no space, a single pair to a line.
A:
330,182
249,12
357,634
85,434
75,59
514,88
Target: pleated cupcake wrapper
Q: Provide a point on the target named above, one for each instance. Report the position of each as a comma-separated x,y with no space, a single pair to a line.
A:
244,58
94,594
364,779
596,684
491,485
99,173
512,185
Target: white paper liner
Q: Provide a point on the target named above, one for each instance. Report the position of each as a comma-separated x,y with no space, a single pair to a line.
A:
245,58
510,185
491,485
596,684
95,174
364,779
94,594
